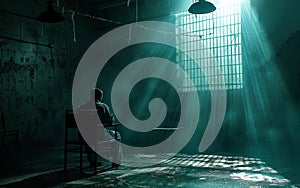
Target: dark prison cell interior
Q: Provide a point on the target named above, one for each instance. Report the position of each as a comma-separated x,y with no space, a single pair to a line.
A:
256,46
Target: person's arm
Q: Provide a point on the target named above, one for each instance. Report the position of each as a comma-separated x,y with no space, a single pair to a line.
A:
108,115
105,114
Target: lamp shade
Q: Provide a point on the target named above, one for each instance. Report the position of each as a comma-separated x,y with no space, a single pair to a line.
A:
202,7
50,16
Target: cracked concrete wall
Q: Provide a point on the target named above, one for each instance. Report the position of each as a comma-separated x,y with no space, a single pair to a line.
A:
35,81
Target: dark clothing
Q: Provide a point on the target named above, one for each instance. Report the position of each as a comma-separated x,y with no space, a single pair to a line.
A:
106,118
104,113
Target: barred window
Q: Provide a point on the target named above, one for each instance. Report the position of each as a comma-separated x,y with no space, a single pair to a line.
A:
219,40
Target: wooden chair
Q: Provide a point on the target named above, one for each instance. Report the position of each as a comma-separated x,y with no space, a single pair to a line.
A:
6,134
75,143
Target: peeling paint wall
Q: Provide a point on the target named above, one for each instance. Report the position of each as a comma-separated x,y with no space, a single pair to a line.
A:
35,81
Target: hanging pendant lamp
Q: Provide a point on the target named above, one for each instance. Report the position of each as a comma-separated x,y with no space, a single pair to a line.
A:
50,15
202,7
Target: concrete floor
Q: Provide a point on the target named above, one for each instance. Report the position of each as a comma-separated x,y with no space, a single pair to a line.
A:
44,169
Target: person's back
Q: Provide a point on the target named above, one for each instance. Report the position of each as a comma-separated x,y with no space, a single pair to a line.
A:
104,113
94,110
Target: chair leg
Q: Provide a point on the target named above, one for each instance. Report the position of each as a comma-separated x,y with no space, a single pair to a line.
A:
115,155
115,165
95,165
3,140
65,162
80,160
18,144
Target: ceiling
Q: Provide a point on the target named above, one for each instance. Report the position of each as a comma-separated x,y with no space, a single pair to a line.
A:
117,10
97,4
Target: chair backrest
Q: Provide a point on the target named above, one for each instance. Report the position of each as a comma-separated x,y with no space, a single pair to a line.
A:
89,119
70,119
86,116
2,122
71,130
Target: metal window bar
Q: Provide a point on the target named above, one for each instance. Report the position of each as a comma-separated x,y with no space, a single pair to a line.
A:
221,38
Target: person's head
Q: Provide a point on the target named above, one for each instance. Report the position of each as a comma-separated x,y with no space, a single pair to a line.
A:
97,94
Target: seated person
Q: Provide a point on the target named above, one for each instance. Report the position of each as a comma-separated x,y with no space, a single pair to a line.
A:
106,118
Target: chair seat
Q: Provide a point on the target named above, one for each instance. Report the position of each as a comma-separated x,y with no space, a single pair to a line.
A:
75,142
77,146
